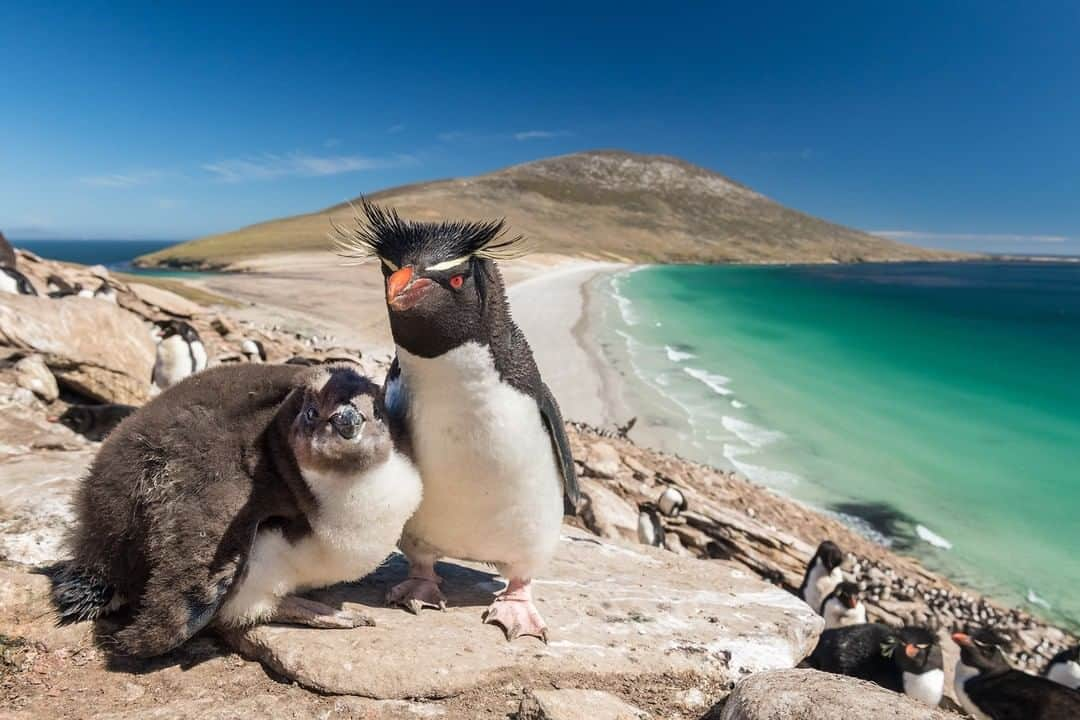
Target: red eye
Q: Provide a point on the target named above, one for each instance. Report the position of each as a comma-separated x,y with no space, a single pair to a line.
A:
457,281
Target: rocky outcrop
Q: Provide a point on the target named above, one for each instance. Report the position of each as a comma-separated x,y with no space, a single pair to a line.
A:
575,705
165,301
33,374
616,614
98,349
813,695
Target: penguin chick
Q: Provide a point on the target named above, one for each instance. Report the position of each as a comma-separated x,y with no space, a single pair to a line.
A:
671,502
1064,668
907,660
14,282
485,431
180,353
94,421
650,530
822,576
990,689
230,491
253,350
843,607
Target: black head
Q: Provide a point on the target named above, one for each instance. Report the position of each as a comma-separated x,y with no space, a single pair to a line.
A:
440,276
177,327
847,593
829,555
339,426
78,418
983,650
914,650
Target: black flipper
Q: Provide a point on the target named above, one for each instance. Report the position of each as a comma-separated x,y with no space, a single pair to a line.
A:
549,411
394,401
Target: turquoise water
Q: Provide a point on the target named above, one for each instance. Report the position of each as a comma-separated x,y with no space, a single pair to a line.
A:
935,406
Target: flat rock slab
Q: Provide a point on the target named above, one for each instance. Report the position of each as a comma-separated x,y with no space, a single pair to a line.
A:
576,704
813,695
615,612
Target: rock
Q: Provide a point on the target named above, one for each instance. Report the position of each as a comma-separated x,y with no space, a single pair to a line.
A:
98,349
224,326
602,460
607,514
640,617
33,374
165,300
575,705
813,695
640,471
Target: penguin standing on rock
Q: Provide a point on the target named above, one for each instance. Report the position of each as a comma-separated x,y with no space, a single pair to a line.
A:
822,576
253,350
180,353
1064,668
485,431
843,607
907,660
650,530
990,689
671,502
228,492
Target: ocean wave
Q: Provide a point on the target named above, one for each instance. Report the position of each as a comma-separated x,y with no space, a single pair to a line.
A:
861,526
759,474
928,535
749,433
1036,600
626,308
676,355
713,381
737,404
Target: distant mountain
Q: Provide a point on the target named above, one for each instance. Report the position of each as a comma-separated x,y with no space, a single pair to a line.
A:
602,204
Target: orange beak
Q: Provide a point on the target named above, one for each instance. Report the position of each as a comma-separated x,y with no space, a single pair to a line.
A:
961,639
397,282
911,651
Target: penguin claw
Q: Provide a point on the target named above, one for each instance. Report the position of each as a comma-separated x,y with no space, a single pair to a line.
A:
415,594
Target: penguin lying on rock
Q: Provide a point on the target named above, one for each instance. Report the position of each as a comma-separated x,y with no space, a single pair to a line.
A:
1064,668
822,576
486,433
990,689
843,607
228,492
14,282
906,660
94,421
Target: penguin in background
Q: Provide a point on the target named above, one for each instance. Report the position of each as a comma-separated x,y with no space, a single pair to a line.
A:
14,282
843,607
822,576
106,292
672,501
1064,668
94,422
990,689
253,350
650,530
180,353
58,287
485,431
7,253
906,660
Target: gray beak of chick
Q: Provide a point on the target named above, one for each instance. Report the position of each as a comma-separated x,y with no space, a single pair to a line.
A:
348,422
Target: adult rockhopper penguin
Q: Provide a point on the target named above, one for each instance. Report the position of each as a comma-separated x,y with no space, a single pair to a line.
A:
484,429
990,689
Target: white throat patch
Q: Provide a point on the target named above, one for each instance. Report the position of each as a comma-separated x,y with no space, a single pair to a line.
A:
1065,673
927,687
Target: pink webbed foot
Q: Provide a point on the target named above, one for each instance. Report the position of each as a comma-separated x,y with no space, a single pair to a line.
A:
417,593
515,613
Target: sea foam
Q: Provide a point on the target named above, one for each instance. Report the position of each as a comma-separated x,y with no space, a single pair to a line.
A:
676,355
713,381
932,537
759,474
750,433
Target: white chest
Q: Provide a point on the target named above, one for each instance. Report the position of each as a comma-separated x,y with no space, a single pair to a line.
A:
839,615
1065,673
820,583
963,674
492,488
176,360
927,687
8,284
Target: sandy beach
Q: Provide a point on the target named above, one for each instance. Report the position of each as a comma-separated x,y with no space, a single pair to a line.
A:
314,294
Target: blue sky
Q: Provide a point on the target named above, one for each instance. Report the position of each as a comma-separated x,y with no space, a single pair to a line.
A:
949,124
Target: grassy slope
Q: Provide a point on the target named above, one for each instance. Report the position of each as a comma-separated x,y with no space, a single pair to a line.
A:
605,204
